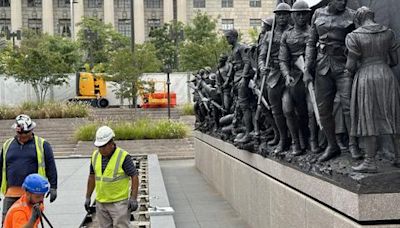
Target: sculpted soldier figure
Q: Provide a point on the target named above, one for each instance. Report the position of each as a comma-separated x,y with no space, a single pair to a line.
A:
224,80
199,108
265,27
241,65
293,46
275,81
375,100
325,53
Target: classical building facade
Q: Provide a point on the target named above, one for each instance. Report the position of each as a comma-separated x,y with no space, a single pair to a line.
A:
54,16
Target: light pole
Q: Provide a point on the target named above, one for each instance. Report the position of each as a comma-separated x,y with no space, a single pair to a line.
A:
13,35
168,71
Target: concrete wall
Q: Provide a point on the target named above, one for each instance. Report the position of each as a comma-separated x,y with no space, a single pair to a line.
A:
264,201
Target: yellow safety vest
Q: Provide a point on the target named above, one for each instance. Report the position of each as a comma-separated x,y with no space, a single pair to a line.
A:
39,142
113,184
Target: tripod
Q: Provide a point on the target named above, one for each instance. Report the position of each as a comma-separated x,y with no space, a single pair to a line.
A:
46,219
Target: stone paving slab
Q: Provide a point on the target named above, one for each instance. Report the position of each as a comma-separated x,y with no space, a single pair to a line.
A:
196,203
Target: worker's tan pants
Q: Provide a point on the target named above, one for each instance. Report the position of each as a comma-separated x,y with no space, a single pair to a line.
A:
113,215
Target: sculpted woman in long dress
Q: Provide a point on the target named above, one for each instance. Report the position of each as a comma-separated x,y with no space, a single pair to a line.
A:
375,98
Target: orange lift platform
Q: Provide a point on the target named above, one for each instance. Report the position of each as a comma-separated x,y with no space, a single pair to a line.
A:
156,99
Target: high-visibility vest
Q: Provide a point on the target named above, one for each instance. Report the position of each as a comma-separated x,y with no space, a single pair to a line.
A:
113,184
39,142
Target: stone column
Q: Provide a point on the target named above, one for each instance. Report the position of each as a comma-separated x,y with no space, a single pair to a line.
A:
16,15
181,10
138,18
109,12
47,18
78,14
169,10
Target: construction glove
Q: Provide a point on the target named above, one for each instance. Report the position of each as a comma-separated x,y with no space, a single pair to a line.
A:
53,194
87,205
132,204
36,213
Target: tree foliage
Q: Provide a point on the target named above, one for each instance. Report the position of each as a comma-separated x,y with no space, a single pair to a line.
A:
203,43
126,68
253,35
167,39
42,61
99,40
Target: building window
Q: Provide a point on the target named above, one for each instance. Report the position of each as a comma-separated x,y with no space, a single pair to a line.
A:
227,3
35,24
227,24
153,23
4,3
34,3
64,27
255,3
123,4
94,3
63,3
199,3
5,25
255,23
153,4
124,27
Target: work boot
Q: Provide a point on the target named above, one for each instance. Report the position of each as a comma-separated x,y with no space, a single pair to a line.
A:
339,140
367,166
275,140
283,145
313,127
314,147
238,137
245,139
296,149
396,144
270,120
330,152
355,152
283,139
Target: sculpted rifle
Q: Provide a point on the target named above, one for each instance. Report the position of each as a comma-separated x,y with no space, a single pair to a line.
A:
259,100
300,64
203,99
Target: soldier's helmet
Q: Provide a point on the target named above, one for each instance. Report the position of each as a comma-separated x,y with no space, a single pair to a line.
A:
207,69
282,7
231,32
223,57
268,20
300,6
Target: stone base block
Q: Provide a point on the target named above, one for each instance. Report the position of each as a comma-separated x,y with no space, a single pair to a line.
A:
269,194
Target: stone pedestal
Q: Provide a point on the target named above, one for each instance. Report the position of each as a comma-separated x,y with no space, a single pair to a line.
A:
267,193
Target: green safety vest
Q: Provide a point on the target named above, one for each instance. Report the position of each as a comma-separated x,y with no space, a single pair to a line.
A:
39,142
112,185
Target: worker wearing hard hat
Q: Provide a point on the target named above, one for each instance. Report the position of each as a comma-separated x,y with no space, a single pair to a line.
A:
112,174
22,155
26,211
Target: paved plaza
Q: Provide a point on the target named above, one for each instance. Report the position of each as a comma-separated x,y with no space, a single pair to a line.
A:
196,203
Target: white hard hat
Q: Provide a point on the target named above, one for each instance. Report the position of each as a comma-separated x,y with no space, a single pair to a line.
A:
103,135
23,123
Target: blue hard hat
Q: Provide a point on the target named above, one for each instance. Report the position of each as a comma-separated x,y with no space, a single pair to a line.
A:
36,184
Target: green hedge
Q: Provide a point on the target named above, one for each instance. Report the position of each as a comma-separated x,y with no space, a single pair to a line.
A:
140,129
45,110
187,109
